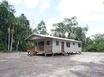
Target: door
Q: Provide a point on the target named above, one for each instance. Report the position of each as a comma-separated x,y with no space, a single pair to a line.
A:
62,46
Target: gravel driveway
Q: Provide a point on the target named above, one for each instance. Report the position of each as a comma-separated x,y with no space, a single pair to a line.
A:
87,64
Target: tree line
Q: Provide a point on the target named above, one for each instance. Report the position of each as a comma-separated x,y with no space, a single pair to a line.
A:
13,31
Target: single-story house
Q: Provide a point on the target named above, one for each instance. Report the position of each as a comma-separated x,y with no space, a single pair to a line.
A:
50,45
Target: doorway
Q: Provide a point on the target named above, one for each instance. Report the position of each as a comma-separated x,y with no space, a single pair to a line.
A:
62,46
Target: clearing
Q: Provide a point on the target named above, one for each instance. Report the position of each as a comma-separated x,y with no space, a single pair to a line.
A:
87,64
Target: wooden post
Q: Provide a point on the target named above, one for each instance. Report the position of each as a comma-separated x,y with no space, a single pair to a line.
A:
37,46
45,47
34,44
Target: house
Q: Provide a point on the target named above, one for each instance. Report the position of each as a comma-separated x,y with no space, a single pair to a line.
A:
45,44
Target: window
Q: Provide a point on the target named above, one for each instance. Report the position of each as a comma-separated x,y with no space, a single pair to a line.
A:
67,44
48,42
41,43
57,42
79,45
73,43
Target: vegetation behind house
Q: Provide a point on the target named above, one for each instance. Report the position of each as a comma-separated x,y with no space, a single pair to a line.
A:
13,31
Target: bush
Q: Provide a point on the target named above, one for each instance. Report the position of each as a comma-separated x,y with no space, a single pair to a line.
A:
100,46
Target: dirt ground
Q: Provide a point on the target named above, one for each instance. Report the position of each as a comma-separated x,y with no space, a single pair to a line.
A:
87,64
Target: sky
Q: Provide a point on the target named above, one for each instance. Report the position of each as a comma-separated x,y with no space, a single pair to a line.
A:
88,12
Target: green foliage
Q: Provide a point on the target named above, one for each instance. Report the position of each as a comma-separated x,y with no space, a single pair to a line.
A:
1,33
59,30
41,28
89,48
99,41
100,46
69,27
13,30
95,44
1,46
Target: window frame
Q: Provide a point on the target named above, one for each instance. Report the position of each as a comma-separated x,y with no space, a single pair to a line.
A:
57,43
48,43
67,44
79,45
41,43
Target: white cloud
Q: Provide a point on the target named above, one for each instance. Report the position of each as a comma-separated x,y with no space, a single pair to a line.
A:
50,22
45,4
93,32
82,9
31,3
86,11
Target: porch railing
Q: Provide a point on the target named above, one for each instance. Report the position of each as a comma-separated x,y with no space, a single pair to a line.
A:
40,48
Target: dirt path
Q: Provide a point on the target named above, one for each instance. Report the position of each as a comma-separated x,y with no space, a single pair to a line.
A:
86,64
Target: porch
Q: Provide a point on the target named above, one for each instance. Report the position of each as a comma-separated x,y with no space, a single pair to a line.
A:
41,46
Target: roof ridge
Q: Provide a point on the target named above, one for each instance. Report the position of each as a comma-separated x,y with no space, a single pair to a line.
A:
56,37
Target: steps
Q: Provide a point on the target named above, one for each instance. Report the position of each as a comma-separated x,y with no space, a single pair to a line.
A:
32,52
64,53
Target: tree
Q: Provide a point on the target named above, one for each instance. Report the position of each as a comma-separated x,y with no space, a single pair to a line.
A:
1,40
66,27
35,30
69,27
6,14
22,30
71,23
95,43
98,40
81,33
59,30
13,30
41,28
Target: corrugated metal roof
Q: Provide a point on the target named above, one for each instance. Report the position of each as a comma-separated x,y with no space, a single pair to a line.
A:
33,35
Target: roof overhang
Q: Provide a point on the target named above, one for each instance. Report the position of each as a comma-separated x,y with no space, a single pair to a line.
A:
39,36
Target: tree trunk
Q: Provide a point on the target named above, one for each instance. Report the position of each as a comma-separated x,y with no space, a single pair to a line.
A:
8,39
17,45
5,44
12,31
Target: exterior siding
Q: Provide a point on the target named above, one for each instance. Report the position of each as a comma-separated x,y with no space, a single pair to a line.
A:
72,48
56,49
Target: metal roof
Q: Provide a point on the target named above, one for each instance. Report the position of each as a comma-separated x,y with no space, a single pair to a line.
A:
39,35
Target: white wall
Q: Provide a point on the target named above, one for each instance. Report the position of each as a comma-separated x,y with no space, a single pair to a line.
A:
72,48
56,49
